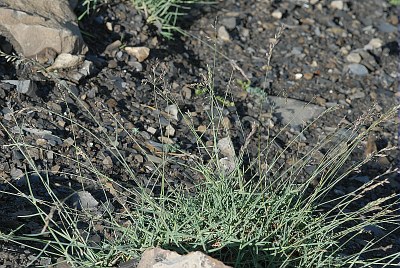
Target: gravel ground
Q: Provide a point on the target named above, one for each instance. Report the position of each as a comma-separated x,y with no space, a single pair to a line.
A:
328,55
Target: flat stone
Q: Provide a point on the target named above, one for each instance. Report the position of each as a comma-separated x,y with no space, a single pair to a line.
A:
172,110
169,131
225,146
337,5
140,53
373,44
107,162
294,112
112,48
17,173
23,86
357,69
223,34
161,258
277,14
229,23
66,60
41,29
87,68
83,200
353,58
154,159
385,27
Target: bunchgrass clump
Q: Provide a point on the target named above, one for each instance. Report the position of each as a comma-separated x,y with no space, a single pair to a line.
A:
246,216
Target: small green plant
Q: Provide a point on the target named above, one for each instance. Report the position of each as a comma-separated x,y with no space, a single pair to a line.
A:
200,90
395,2
246,85
165,13
171,148
135,131
224,101
161,13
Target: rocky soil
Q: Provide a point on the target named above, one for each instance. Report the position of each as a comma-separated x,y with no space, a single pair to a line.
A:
331,54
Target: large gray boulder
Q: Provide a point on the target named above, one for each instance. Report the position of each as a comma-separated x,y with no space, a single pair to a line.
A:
41,29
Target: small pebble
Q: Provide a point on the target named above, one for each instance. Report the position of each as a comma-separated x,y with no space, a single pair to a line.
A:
172,110
140,53
298,76
112,48
357,69
385,27
107,162
223,34
138,158
169,131
277,14
337,4
202,128
308,76
229,23
151,130
112,64
373,44
353,58
109,26
321,101
187,93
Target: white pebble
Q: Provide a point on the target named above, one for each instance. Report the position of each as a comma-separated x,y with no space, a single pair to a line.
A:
353,58
373,44
298,76
337,4
223,34
277,14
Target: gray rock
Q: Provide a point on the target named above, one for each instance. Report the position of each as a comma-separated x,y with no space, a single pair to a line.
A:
87,68
229,23
161,258
37,132
41,29
107,162
223,34
16,173
375,230
75,76
137,65
387,28
363,179
353,57
169,131
83,200
294,112
27,87
357,95
154,159
172,110
66,60
112,48
225,146
357,69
